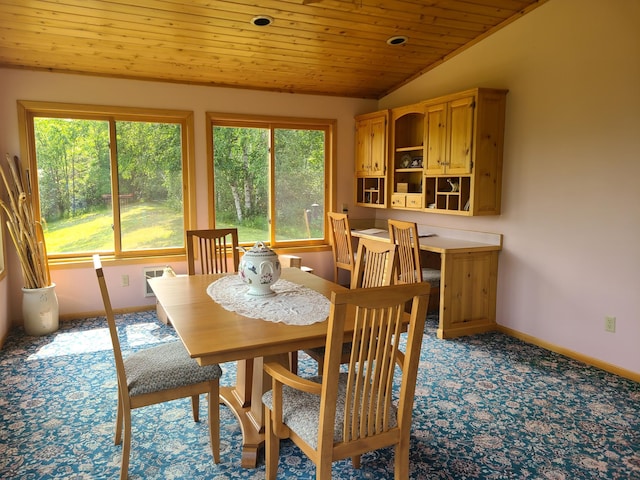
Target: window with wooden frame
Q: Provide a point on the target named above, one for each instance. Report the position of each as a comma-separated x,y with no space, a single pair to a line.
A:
271,177
109,180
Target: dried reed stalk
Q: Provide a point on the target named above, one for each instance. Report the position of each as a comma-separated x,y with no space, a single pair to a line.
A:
24,231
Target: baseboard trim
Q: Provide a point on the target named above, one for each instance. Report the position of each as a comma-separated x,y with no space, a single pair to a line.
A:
594,362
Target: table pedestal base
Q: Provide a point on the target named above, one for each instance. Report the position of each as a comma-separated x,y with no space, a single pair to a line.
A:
245,401
252,438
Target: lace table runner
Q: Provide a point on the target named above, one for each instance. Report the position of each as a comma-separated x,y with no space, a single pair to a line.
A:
292,304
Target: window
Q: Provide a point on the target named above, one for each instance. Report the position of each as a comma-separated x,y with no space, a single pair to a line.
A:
271,177
109,180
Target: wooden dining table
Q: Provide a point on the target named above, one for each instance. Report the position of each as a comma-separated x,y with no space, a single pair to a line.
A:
212,334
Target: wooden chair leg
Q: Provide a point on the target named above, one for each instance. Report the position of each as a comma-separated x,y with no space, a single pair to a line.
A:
214,420
355,461
323,468
293,362
272,447
195,406
401,459
126,445
118,435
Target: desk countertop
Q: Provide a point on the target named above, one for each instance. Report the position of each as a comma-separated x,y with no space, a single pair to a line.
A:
440,243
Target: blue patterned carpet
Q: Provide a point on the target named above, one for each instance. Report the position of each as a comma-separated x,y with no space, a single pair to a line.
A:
487,407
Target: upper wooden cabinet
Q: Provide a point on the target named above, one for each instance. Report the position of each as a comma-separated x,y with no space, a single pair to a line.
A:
446,153
450,136
371,144
371,159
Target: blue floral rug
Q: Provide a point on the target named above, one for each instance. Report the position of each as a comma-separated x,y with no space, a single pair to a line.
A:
486,407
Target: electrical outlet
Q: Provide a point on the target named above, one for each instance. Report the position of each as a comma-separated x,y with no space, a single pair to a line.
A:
124,281
610,324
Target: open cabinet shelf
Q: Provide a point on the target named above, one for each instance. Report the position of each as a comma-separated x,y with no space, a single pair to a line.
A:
451,194
370,192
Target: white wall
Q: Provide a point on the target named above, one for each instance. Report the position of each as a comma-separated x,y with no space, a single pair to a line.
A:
77,288
571,201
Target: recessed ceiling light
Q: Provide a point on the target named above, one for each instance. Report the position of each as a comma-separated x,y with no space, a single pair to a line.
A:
397,40
262,20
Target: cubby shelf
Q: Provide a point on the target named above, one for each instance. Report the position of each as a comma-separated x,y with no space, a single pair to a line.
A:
370,192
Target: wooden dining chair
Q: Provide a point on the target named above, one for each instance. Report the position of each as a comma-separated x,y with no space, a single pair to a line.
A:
156,375
375,264
374,267
341,244
209,251
341,415
343,259
408,267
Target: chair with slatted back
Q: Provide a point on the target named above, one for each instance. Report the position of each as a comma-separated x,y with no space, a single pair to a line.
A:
214,250
157,375
375,264
344,414
341,244
408,268
374,267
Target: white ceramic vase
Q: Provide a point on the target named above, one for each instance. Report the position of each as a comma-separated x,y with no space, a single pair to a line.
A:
40,310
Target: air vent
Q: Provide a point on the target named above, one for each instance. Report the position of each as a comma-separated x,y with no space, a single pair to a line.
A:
151,272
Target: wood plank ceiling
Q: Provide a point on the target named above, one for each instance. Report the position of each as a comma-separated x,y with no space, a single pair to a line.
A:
325,47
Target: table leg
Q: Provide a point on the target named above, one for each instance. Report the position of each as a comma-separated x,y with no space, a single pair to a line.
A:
244,382
245,401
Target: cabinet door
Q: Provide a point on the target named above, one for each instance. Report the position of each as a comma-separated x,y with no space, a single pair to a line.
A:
363,147
461,114
436,138
378,146
371,146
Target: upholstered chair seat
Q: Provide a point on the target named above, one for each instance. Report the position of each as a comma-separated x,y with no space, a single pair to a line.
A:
431,275
165,367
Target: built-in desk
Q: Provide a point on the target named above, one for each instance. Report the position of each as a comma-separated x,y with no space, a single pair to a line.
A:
469,274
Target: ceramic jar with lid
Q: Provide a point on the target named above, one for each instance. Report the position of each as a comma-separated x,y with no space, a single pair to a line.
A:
259,268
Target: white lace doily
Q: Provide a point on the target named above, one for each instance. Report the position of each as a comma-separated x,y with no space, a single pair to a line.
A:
292,304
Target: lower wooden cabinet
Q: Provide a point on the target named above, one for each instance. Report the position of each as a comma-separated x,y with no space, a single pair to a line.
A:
468,289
